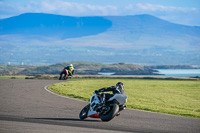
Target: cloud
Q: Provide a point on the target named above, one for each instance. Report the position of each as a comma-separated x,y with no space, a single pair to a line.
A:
151,7
56,7
180,15
62,7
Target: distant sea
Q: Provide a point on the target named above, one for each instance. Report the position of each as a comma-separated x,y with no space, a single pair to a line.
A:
168,73
179,72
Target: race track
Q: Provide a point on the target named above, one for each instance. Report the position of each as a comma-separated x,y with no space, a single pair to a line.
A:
25,106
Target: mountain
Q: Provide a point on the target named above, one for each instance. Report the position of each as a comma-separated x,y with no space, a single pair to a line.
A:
37,38
56,26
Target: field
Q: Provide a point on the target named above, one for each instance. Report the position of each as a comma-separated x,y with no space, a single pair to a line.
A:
177,97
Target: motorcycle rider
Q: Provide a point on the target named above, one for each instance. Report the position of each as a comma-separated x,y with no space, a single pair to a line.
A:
70,69
118,89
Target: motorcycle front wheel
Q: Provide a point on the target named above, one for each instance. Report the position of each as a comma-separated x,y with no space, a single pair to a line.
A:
84,112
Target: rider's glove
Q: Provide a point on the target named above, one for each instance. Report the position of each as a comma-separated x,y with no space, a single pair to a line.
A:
96,91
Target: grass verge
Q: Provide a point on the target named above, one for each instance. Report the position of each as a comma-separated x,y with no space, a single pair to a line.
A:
164,96
56,77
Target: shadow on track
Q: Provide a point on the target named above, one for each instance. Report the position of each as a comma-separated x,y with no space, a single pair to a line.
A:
64,119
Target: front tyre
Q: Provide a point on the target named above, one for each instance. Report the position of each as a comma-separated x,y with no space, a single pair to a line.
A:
84,112
111,114
63,76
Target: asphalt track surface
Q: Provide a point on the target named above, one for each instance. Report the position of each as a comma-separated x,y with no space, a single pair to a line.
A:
26,107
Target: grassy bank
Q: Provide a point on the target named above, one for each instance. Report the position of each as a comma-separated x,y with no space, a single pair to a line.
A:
56,77
164,96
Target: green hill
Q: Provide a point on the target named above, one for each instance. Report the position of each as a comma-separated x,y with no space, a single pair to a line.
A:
81,68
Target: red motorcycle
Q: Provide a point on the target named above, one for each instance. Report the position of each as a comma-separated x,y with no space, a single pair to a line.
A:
64,74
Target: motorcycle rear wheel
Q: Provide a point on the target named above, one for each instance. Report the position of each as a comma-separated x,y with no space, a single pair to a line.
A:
63,76
111,114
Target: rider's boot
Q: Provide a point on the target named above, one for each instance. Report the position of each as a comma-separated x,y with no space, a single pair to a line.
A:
118,114
122,107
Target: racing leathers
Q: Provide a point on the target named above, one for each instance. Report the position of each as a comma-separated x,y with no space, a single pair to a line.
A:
70,70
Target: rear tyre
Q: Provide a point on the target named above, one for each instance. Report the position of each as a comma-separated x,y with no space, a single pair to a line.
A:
111,114
84,112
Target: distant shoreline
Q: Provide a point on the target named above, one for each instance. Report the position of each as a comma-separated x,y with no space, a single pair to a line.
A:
55,77
91,68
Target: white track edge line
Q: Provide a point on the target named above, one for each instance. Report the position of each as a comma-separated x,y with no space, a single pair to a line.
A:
46,88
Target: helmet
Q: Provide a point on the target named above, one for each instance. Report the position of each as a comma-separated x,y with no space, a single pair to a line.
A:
120,84
71,65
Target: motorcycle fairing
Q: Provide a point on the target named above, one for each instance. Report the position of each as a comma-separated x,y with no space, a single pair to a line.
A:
65,71
122,99
97,115
93,114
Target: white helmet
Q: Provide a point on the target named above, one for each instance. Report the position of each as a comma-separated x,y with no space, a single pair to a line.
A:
71,65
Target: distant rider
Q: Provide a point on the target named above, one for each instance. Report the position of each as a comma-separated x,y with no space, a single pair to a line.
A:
70,69
118,89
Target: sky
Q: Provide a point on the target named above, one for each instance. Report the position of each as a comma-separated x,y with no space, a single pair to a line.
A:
186,12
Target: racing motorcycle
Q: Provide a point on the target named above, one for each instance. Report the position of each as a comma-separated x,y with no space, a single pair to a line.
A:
64,74
106,111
